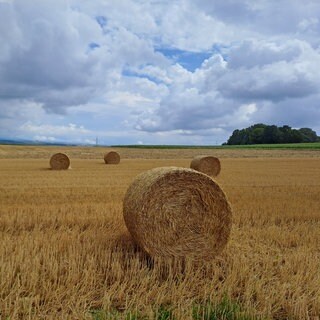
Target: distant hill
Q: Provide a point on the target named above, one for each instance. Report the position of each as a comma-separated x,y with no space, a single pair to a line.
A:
16,142
270,134
32,142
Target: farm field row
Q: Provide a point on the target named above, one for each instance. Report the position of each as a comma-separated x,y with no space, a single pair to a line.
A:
66,254
160,152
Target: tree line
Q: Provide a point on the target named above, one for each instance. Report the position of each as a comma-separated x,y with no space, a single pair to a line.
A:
261,133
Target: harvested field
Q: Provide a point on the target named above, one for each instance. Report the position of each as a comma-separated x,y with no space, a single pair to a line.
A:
66,254
41,152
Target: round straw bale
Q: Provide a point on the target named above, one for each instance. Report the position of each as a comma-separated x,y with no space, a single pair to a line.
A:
112,157
176,212
206,164
59,161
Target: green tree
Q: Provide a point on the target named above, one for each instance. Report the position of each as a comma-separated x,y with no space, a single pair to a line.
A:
308,135
261,133
239,137
271,134
257,135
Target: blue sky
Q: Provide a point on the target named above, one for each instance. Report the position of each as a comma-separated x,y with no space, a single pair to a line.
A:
156,72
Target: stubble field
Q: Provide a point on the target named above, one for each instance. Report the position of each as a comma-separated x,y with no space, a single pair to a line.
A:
65,252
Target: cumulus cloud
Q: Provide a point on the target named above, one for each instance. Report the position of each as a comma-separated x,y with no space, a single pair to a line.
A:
265,18
45,139
49,57
45,59
71,128
230,93
122,69
261,70
57,133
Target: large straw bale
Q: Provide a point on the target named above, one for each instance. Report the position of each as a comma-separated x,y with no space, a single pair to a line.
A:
112,157
206,164
59,161
176,212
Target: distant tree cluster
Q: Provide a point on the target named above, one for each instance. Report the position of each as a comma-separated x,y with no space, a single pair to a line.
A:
261,133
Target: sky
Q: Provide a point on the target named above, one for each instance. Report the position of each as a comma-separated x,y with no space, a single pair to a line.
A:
156,71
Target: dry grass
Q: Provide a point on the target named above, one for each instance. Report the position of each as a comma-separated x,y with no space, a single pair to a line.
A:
65,249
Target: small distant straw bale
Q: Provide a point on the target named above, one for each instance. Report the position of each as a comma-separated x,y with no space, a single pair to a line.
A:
112,157
59,161
176,212
206,164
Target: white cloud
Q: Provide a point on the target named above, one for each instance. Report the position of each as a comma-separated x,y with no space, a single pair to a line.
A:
229,94
47,57
45,129
79,69
44,139
263,18
270,71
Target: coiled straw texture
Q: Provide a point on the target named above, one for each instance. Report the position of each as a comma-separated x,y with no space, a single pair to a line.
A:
112,157
176,212
206,164
59,161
